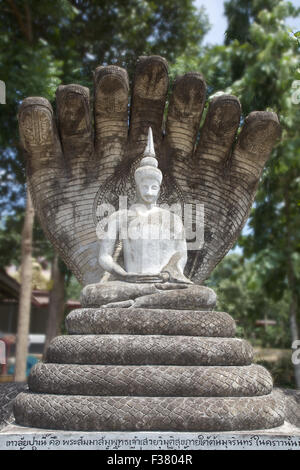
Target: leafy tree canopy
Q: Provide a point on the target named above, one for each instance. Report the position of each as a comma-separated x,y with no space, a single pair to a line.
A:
44,43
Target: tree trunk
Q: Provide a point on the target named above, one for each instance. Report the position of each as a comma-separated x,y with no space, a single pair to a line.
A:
25,293
56,302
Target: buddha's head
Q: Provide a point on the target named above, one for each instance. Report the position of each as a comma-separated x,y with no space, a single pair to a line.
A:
148,176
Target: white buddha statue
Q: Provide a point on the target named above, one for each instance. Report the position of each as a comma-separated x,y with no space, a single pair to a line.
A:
154,253
154,245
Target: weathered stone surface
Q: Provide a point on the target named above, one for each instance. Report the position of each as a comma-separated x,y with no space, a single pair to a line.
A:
95,295
148,381
150,322
292,404
149,295
70,175
8,391
290,398
148,350
193,297
148,413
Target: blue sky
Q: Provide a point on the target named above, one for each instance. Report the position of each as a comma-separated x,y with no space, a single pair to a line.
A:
215,11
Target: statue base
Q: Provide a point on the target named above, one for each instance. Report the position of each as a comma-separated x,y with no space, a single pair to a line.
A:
149,369
285,437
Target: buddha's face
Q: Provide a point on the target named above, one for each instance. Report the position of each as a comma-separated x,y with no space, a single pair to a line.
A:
148,189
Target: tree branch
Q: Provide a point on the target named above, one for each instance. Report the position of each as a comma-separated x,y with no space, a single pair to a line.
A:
29,22
26,30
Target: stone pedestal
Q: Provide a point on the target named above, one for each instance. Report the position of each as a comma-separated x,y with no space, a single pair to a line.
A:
138,369
285,437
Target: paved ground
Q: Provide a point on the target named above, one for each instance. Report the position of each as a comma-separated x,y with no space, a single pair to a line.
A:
8,391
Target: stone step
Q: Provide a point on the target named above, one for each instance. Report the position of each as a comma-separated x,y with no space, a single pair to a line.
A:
138,321
149,350
75,379
82,413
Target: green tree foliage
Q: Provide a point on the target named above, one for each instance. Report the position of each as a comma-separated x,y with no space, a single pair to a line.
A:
239,287
259,63
240,15
28,67
261,67
272,65
116,31
43,44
